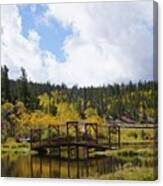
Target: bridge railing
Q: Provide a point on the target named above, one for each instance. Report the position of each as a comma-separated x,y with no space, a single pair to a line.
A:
73,132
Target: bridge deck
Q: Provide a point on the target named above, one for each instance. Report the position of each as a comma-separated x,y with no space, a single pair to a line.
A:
91,144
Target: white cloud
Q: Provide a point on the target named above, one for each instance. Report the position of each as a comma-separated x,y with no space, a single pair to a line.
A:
18,51
111,42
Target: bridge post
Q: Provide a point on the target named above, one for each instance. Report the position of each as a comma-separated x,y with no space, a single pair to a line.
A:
37,134
40,131
59,149
85,152
85,129
67,128
96,133
77,152
87,149
31,138
109,136
77,132
59,130
119,136
68,152
49,135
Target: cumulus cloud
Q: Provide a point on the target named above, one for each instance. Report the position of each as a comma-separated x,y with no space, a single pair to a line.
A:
110,42
18,51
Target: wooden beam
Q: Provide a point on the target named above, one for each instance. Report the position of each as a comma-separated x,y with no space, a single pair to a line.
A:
67,129
49,135
77,132
119,136
31,138
40,131
96,133
109,128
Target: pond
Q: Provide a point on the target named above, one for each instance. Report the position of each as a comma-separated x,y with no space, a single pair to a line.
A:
50,167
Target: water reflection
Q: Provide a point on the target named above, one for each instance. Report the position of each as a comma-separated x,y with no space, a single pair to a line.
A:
50,167
45,166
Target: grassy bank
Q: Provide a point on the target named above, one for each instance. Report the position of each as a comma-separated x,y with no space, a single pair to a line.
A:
129,135
132,173
11,146
131,151
140,163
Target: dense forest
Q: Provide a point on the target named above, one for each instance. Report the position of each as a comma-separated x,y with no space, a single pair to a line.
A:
26,103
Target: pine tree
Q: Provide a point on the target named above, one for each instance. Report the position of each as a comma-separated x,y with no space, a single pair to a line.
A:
24,93
5,84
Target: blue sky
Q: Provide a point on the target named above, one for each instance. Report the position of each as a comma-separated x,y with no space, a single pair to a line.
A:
52,36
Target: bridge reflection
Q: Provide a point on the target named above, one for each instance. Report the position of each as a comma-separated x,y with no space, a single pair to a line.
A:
47,166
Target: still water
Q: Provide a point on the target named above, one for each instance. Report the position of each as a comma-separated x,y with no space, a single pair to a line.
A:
49,167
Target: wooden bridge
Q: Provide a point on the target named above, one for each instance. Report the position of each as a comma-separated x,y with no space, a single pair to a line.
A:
75,135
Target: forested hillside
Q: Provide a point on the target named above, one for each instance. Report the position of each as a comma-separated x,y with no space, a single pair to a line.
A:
27,103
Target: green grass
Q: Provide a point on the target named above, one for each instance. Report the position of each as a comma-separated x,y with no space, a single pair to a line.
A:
145,152
129,135
132,173
146,156
131,151
11,146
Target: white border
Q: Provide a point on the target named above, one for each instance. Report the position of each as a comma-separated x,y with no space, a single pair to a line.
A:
66,182
52,1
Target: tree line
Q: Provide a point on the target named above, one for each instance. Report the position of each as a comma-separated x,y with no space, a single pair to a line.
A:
137,101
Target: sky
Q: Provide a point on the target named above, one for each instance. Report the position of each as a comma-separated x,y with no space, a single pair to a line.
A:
84,44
